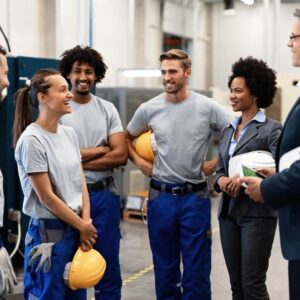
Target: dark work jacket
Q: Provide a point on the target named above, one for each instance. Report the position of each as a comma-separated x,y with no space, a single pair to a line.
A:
282,191
258,136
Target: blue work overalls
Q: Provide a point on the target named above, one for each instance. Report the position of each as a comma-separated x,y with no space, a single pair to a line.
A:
179,227
50,285
105,212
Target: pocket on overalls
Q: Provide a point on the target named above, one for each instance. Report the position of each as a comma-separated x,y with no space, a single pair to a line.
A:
153,195
204,194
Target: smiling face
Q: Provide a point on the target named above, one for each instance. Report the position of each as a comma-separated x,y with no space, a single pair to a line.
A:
240,97
3,74
58,97
82,78
174,77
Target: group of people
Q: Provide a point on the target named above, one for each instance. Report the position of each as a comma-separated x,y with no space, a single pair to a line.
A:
66,158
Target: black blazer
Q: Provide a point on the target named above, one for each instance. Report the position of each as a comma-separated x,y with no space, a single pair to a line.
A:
259,136
282,191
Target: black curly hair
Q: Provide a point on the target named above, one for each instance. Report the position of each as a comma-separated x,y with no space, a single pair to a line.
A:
85,55
260,79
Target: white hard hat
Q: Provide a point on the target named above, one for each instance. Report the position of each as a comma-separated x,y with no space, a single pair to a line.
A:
253,159
289,158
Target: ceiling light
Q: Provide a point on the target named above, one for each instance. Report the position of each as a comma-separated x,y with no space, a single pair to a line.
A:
141,73
248,2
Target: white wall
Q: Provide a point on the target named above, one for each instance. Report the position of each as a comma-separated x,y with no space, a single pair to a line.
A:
252,32
21,20
233,37
111,35
45,28
246,34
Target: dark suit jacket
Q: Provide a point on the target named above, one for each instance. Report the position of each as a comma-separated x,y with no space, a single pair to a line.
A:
259,136
282,191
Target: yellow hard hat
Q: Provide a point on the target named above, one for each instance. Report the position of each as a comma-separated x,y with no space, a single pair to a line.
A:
86,270
144,146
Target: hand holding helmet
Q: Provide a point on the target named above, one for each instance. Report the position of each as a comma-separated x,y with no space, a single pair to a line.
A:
145,146
86,269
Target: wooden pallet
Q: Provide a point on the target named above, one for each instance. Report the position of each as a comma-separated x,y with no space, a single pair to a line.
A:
132,215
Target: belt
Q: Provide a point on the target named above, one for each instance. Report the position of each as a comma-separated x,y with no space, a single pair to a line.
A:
50,230
177,189
52,224
100,185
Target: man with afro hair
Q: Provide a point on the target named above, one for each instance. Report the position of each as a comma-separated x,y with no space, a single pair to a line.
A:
103,147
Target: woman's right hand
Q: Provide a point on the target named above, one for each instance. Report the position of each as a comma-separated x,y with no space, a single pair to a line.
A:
230,185
233,188
223,182
88,235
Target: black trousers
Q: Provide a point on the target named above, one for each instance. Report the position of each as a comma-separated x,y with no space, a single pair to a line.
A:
247,244
294,279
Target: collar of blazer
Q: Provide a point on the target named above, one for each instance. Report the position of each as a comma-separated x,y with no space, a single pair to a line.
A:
226,137
251,132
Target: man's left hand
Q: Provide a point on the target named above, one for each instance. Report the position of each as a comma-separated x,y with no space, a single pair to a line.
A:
253,188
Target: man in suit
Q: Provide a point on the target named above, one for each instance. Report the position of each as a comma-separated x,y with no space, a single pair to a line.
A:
281,191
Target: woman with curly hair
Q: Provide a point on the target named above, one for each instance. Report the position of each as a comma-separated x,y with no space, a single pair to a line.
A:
247,228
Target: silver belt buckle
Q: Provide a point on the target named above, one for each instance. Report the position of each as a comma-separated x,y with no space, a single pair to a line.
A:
177,191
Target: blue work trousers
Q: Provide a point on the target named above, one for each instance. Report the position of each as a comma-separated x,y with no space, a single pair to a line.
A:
179,226
105,212
50,285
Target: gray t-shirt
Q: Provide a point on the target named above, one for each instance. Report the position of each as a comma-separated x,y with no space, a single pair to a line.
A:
182,131
93,122
57,154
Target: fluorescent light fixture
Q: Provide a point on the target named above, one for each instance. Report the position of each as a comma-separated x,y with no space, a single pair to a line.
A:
141,73
248,2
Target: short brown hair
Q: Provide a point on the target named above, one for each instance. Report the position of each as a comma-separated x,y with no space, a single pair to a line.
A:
177,54
297,13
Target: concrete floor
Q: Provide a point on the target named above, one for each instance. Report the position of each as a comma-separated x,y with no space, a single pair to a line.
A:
137,269
136,257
